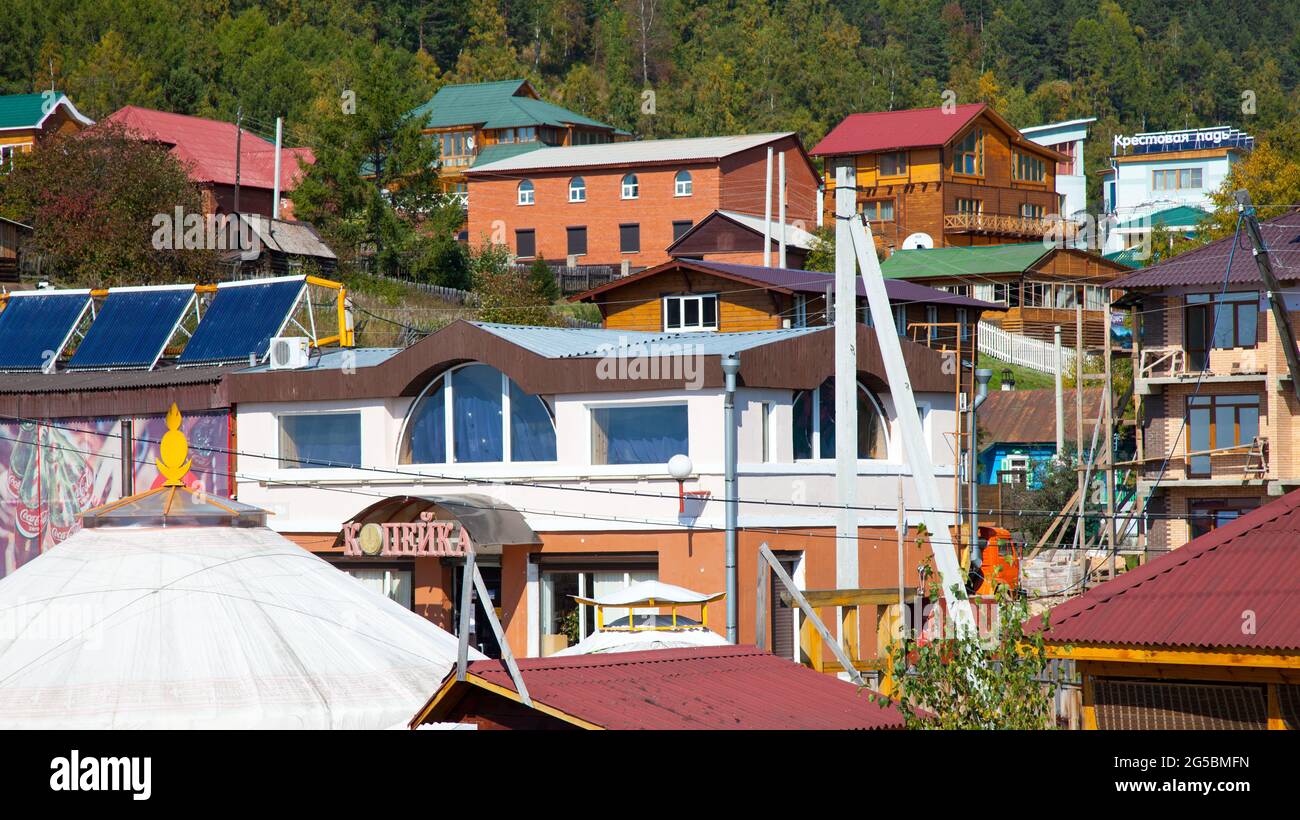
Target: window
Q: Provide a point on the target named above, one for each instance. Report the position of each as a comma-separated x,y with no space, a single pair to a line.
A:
1030,168
638,434
590,137
691,312
680,227
970,206
900,319
482,398
877,210
7,154
526,193
765,415
1031,211
1208,514
800,310
1176,179
577,245
391,583
631,187
682,184
577,190
1219,323
526,243
455,148
965,325
1216,422
814,424
564,621
320,440
968,155
1067,148
629,238
893,164
1015,469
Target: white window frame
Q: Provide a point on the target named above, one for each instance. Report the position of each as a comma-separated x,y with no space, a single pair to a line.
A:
580,190
631,190
683,187
527,196
886,425
593,406
681,299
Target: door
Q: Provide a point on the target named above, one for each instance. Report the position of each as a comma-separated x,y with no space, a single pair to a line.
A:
783,616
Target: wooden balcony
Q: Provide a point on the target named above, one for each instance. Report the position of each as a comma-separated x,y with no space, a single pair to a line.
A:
1170,364
1025,227
1041,322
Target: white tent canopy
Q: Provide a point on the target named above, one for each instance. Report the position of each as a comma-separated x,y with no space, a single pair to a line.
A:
206,627
656,591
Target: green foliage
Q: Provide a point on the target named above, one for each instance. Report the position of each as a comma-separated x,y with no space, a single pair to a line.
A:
1058,482
542,280
93,201
973,682
507,294
822,254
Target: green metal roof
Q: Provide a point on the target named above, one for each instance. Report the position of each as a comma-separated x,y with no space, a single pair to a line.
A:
24,110
1129,257
1182,216
977,260
494,105
505,150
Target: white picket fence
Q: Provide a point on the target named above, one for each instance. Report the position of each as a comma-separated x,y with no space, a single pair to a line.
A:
1022,350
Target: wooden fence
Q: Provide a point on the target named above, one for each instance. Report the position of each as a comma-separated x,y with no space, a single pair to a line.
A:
1022,350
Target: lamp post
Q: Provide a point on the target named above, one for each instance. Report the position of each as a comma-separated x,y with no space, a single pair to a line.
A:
1008,379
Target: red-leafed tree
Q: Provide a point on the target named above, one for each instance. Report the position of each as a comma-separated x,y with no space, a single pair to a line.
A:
95,200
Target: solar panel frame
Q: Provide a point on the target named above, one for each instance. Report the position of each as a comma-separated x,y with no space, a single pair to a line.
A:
53,336
139,353
238,316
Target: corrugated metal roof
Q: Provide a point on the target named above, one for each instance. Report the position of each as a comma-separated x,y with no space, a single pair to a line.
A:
1199,594
289,236
1183,216
890,130
1207,264
1029,416
642,152
709,687
594,343
504,150
333,358
207,148
99,380
497,104
963,261
29,110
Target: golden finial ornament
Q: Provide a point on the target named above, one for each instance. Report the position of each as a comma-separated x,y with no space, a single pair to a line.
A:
172,459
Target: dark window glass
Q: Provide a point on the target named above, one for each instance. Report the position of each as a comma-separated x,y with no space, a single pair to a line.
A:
629,238
476,422
710,304
532,434
320,440
525,243
674,318
577,241
680,227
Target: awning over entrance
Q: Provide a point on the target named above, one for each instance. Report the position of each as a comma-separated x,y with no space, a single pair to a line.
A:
421,525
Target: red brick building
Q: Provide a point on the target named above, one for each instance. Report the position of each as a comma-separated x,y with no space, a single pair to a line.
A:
627,202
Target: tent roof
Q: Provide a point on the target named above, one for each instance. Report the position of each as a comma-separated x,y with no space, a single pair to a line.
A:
656,591
204,627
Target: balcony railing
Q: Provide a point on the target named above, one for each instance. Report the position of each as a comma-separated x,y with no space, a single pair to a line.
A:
1172,361
1002,225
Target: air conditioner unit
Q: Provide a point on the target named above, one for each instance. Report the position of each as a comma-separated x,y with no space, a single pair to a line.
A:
289,353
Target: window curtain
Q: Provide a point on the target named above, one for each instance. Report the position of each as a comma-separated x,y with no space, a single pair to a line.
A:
532,434
639,435
476,393
324,440
426,436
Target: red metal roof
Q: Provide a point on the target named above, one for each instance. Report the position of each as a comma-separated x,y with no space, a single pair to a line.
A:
1202,594
714,687
207,148
1029,416
1207,264
892,130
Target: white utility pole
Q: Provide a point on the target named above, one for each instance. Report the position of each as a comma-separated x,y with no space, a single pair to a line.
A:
846,385
915,453
780,218
767,212
279,139
1060,399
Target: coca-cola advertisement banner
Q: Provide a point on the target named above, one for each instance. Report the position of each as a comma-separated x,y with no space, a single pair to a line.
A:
51,473
208,435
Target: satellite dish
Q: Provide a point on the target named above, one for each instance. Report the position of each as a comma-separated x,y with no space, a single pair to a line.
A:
469,143
918,240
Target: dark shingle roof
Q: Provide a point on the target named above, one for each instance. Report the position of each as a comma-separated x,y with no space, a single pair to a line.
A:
1207,264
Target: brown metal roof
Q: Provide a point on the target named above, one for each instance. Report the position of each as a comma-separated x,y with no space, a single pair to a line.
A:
1207,264
1029,416
1237,587
112,392
713,687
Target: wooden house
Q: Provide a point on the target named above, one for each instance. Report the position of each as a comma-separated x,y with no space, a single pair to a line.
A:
26,119
730,236
940,178
1034,286
12,235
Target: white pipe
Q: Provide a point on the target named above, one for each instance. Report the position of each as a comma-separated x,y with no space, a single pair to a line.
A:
780,219
275,197
767,212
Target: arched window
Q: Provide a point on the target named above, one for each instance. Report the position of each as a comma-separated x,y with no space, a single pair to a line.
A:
682,184
631,187
577,190
526,196
814,424
491,419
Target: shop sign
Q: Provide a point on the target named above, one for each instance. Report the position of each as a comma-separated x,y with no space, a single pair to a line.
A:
1165,141
423,538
